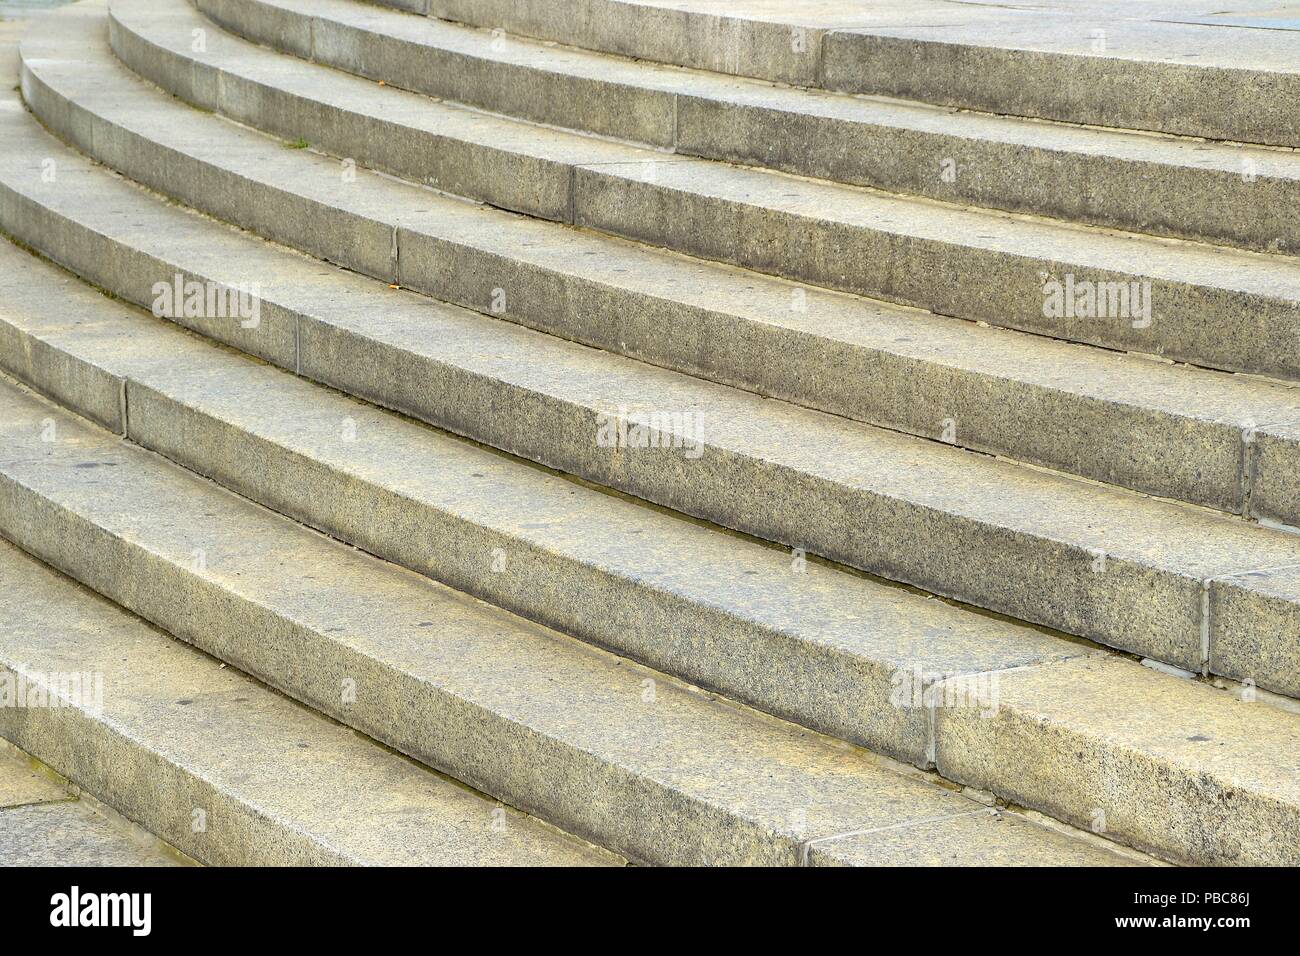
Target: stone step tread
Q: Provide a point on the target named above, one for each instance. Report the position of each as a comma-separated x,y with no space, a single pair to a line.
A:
1068,526
1174,35
1184,78
1172,31
613,751
889,366
1208,305
178,733
645,549
44,824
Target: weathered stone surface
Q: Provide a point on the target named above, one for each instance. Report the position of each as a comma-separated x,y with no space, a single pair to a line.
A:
1275,472
598,745
820,646
272,783
1254,632
1094,739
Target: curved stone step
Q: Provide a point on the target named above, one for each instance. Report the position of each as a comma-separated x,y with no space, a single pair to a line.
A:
618,753
1207,305
216,764
1178,433
1144,757
1134,573
1168,186
1164,67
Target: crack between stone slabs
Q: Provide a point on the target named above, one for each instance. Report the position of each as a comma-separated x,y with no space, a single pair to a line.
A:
1249,459
394,252
676,124
122,407
805,848
68,798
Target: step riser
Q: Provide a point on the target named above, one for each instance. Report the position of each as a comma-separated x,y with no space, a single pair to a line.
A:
574,102
1028,738
1152,611
1216,103
1240,105
1240,207
1203,325
722,44
1118,443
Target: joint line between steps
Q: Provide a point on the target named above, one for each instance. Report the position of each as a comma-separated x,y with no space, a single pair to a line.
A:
1250,462
932,705
805,848
676,139
123,409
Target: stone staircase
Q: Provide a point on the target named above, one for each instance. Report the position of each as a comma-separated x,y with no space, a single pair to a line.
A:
694,466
